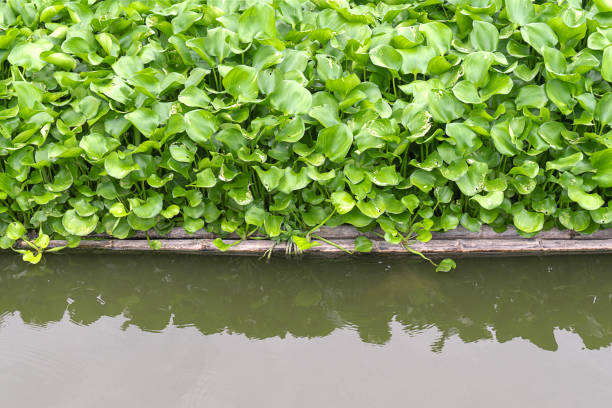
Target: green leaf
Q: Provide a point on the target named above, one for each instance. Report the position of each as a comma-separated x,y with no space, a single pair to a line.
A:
342,86
59,59
119,167
559,93
466,92
363,244
42,240
140,224
181,153
438,36
424,180
463,138
327,68
314,216
155,244
551,133
502,140
272,224
29,256
385,176
61,182
194,97
411,202
476,67
151,207
232,138
587,201
499,84
292,131
343,202
241,83
255,216
292,180
606,64
192,225
291,98
446,265
79,46
27,54
489,201
126,67
443,106
602,163
27,93
222,246
335,142
304,244
529,222
269,178
531,96
603,5
473,181
200,126
520,12
205,179
184,21
564,163
603,110
416,60
356,218
386,56
539,35
602,215
449,221
258,21
484,36
171,212
267,56
77,225
15,230
118,210
242,196
470,223
145,120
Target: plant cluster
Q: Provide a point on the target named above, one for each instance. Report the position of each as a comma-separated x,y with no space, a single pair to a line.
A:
277,117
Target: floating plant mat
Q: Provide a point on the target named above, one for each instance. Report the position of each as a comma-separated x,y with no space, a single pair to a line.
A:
276,118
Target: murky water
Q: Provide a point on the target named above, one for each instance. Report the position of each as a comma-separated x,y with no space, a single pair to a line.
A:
189,331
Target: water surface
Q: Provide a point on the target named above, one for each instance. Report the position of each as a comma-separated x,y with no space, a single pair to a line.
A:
191,331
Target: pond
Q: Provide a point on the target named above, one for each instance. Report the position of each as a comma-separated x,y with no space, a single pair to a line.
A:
195,331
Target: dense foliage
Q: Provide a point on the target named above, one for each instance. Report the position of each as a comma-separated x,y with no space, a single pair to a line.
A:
245,116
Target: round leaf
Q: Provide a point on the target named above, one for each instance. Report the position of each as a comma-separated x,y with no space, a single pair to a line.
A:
291,98
77,225
200,125
335,142
529,222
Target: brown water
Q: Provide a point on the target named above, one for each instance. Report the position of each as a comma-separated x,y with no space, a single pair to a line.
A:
189,331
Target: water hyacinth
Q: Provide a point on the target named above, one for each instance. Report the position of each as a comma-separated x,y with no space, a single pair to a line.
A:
277,117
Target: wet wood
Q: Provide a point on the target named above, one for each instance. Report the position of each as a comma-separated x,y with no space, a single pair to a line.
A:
349,232
459,242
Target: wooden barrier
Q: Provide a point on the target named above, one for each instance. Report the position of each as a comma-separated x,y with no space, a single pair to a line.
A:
459,242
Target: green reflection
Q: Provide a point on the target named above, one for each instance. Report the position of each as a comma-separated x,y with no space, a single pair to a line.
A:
521,297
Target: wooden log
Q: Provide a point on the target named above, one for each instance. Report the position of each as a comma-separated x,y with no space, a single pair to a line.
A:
435,247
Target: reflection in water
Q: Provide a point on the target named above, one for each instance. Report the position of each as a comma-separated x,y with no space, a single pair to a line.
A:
498,299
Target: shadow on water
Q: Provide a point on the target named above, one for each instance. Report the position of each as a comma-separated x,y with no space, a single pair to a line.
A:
498,299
